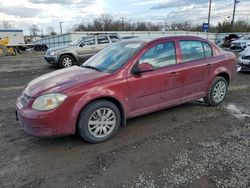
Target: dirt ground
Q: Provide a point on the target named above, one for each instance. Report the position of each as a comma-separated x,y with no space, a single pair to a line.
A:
192,145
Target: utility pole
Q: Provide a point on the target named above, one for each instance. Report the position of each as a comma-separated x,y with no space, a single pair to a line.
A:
232,23
123,22
61,27
209,14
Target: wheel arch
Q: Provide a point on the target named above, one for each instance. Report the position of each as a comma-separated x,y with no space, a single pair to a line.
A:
110,99
225,75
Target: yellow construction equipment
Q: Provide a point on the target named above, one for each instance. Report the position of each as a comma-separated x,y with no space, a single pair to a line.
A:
5,49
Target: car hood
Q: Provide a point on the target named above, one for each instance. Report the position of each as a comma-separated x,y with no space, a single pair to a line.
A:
59,80
245,52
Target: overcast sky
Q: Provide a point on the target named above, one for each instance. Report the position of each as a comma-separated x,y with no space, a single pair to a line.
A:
23,13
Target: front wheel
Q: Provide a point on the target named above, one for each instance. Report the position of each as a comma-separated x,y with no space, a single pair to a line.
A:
217,92
99,121
66,61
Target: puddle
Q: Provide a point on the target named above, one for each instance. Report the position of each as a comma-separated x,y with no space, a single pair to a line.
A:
238,112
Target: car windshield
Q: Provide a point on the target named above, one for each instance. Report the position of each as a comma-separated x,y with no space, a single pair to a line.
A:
113,57
77,41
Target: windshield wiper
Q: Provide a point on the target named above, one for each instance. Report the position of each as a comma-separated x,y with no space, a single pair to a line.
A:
91,67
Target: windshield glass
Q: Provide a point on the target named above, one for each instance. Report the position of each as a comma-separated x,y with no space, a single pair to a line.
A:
77,41
113,57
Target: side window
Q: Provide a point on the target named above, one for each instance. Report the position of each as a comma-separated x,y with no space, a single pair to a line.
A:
88,42
191,50
114,38
102,40
207,49
160,55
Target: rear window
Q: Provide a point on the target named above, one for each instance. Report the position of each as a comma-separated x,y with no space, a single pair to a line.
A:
207,49
192,50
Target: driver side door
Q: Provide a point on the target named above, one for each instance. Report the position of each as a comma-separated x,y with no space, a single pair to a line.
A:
87,48
145,88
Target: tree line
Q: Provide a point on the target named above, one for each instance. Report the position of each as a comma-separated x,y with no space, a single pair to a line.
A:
106,22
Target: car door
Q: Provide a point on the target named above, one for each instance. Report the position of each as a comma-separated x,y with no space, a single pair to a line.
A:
194,70
102,42
148,89
87,48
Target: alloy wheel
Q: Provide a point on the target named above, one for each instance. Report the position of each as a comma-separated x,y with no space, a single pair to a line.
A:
67,62
219,91
102,122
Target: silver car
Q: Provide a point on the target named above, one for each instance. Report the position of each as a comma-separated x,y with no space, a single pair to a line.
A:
80,51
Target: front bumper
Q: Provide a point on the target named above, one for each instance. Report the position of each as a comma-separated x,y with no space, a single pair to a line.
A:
244,67
53,60
44,124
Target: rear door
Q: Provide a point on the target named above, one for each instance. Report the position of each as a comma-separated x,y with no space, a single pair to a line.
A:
194,73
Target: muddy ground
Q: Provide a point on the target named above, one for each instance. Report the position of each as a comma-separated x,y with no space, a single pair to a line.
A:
192,145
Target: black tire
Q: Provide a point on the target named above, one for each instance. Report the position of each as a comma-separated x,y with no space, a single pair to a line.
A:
3,50
87,113
210,98
62,60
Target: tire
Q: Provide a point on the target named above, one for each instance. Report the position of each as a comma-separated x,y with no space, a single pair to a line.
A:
3,51
217,91
92,122
66,61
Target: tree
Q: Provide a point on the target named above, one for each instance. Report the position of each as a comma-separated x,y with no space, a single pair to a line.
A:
105,20
34,29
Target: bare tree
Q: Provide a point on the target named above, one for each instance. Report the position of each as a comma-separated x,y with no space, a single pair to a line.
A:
6,25
34,29
105,20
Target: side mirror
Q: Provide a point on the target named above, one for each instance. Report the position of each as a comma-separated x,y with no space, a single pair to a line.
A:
143,67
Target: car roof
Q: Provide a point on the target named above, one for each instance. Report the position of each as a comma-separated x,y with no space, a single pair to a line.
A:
158,39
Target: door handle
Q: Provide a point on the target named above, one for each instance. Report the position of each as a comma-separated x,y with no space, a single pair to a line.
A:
93,47
174,73
210,65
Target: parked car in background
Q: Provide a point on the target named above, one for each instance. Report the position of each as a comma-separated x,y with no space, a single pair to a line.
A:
244,59
227,40
240,44
127,79
80,50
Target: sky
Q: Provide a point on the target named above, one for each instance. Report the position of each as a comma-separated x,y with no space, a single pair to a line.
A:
21,14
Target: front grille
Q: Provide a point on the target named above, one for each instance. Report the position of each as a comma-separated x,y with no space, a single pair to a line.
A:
25,99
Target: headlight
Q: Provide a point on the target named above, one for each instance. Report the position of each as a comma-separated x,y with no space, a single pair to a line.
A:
52,53
48,101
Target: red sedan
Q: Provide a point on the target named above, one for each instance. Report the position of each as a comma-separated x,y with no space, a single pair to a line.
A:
125,80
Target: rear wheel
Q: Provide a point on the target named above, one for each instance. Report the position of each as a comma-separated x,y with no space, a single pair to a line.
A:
217,92
66,61
99,121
